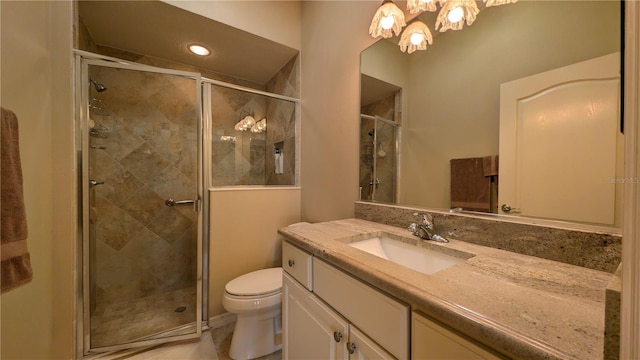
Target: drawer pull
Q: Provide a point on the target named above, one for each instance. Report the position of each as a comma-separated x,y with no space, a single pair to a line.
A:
337,336
291,262
351,347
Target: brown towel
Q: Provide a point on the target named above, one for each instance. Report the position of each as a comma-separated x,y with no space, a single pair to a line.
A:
470,189
490,165
16,263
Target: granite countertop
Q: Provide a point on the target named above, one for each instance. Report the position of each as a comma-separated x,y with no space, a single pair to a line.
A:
523,307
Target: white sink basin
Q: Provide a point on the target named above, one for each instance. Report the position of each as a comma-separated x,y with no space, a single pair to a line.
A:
417,258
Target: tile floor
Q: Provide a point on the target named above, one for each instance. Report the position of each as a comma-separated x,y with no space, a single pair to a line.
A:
222,341
124,321
212,345
200,349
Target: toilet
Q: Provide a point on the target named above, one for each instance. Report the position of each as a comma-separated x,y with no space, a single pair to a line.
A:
256,299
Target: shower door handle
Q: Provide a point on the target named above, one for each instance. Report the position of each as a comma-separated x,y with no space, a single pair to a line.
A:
172,202
93,183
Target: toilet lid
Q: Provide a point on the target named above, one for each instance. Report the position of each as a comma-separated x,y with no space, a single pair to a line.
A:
256,283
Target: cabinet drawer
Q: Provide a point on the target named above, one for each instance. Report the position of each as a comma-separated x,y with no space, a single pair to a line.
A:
297,263
382,318
430,341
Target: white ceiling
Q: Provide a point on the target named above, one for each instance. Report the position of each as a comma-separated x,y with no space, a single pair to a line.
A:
160,30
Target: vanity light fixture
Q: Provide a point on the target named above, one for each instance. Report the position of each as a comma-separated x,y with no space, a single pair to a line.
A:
245,124
455,13
260,126
388,20
415,37
415,6
199,50
488,3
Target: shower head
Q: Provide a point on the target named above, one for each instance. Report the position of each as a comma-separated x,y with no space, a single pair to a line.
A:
99,87
373,131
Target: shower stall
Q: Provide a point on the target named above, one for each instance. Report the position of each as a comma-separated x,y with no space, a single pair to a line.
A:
151,142
142,191
378,158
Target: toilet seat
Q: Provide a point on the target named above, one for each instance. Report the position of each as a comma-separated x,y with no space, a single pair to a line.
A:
257,283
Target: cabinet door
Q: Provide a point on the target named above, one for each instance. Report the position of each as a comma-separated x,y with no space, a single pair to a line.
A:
311,330
361,347
432,341
381,317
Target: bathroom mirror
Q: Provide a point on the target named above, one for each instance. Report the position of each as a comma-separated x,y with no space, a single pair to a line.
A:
449,103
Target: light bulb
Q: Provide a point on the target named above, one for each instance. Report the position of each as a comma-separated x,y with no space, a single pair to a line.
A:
456,14
387,22
199,50
416,38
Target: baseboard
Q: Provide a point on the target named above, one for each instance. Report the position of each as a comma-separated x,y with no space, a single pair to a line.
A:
222,320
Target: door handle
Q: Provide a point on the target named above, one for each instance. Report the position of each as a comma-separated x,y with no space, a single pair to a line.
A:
351,347
172,202
508,209
93,183
337,336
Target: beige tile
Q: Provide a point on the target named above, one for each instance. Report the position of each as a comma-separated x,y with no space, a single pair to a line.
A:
222,341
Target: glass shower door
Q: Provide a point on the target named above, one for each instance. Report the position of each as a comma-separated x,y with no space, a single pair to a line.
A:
378,159
142,221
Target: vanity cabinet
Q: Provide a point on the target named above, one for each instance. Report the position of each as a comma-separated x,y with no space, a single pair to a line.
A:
430,341
323,325
312,330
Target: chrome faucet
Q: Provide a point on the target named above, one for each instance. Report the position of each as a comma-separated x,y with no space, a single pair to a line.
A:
426,230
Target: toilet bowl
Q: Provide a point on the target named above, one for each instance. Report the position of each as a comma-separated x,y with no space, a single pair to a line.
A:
256,299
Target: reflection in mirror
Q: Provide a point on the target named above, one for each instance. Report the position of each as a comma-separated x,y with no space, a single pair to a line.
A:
450,102
379,124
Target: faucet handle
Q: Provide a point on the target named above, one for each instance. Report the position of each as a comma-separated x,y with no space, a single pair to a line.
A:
412,227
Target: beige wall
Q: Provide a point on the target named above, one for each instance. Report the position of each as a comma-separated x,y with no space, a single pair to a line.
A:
243,235
333,35
37,318
386,62
274,20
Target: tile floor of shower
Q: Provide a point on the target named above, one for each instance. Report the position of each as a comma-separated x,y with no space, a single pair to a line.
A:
123,321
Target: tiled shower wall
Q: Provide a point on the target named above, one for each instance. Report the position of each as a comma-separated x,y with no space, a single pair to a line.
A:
247,158
143,147
238,157
251,163
281,116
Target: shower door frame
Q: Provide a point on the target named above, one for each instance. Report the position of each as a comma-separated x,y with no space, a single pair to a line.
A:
83,60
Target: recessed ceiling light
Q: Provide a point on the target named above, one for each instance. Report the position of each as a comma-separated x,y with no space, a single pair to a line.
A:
199,50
